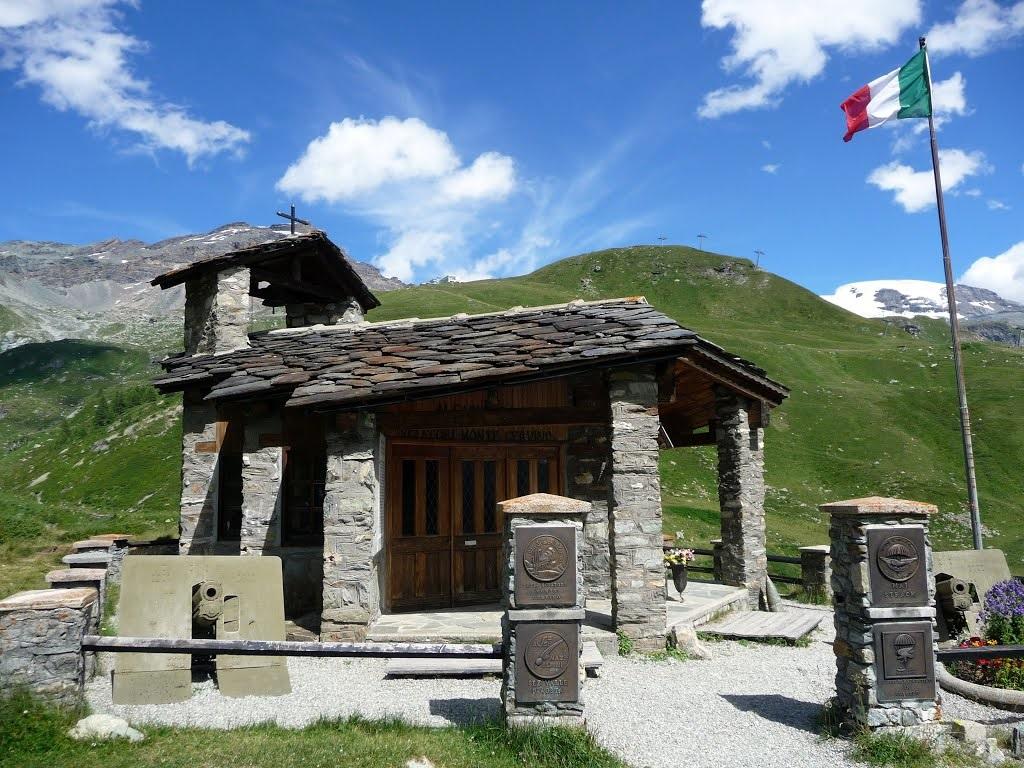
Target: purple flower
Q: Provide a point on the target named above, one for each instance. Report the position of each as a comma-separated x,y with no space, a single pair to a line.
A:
1005,600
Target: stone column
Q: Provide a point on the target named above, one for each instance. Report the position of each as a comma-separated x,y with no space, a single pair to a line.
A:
262,468
217,309
586,460
544,594
41,642
884,599
816,571
197,529
741,495
634,509
351,597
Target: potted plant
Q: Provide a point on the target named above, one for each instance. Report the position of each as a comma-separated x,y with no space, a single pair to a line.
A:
677,559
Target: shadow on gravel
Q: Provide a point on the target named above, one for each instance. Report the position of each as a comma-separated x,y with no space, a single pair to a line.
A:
466,711
802,715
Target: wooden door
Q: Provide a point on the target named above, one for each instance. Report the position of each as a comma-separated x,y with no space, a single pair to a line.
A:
419,527
445,528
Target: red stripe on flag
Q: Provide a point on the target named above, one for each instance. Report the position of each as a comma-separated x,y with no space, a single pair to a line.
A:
856,109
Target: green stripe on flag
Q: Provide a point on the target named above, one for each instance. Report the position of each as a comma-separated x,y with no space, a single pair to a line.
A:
915,100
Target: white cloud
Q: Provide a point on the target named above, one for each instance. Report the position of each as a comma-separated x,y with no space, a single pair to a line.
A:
407,178
1003,274
73,51
997,205
771,167
778,42
973,192
766,144
915,190
979,26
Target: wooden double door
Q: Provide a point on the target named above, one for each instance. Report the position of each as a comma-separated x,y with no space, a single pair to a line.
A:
444,525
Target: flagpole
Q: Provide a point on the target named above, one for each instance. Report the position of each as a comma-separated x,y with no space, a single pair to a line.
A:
954,324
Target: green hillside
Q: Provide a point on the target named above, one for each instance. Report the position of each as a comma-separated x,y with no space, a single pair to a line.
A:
872,411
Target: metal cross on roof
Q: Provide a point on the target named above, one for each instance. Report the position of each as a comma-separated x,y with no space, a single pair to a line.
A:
292,218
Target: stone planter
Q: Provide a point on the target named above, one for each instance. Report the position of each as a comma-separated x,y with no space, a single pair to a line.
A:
679,576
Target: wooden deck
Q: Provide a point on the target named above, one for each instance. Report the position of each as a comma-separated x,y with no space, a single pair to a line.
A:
789,625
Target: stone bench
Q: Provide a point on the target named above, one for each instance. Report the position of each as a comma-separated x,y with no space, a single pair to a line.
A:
87,560
41,633
76,578
92,545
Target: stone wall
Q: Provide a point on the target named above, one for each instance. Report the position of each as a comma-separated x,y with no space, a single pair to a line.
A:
351,597
587,461
40,642
262,468
197,527
634,509
331,313
741,495
217,311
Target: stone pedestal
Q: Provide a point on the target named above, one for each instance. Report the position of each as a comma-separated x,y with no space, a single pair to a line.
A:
884,599
41,642
351,597
634,509
544,594
816,571
741,495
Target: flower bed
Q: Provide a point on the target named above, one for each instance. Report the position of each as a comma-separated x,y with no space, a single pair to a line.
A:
1003,624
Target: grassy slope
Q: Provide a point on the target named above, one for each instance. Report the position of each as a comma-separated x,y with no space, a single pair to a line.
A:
873,410
846,431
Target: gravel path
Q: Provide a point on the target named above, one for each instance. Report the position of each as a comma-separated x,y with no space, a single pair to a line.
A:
751,705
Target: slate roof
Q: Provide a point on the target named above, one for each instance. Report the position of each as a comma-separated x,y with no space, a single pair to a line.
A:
283,247
352,366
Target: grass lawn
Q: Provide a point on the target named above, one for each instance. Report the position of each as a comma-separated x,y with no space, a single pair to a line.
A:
34,736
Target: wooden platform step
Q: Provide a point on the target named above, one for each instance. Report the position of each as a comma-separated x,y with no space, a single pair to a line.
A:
788,625
448,667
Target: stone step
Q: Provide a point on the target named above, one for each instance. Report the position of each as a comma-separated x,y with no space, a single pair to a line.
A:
87,559
699,609
92,545
449,667
61,577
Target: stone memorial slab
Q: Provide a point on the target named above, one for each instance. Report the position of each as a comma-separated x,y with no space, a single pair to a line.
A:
905,661
547,662
545,565
982,568
897,563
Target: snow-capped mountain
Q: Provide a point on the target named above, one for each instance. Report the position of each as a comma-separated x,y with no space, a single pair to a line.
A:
911,298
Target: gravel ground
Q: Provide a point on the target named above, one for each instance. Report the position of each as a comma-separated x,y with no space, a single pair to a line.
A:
751,705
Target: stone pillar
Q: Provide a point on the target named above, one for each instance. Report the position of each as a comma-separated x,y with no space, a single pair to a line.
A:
586,460
197,529
816,572
544,594
884,599
217,310
716,560
351,596
262,468
741,495
331,313
634,509
41,642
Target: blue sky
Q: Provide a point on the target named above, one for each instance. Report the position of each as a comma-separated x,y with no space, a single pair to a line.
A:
489,139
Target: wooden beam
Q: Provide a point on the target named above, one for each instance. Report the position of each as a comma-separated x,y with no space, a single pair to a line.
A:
279,281
290,648
498,417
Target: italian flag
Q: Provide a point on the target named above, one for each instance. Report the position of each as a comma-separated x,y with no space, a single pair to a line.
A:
902,93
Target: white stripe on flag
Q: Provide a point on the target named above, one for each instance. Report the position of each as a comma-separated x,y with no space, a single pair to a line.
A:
885,98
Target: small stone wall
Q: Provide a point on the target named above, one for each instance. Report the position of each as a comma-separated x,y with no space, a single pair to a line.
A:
634,509
330,313
862,611
41,635
351,598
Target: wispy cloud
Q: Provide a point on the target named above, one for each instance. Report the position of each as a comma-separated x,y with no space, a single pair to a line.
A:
776,43
74,52
997,205
771,168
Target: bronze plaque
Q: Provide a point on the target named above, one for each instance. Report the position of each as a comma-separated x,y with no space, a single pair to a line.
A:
547,662
904,661
545,566
899,573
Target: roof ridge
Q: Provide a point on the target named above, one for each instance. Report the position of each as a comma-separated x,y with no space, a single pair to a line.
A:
517,310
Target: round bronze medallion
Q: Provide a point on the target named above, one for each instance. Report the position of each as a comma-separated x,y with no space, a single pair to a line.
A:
547,655
546,558
898,559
